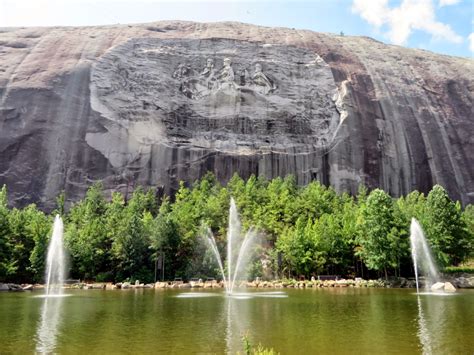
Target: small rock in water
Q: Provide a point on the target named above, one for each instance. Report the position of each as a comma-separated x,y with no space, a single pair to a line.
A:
438,286
448,287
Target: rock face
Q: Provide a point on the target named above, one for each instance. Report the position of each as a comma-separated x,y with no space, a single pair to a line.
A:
158,103
465,281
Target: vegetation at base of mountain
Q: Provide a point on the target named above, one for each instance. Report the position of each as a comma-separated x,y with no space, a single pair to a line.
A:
306,230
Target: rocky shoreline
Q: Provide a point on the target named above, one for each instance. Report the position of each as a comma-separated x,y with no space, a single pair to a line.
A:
461,281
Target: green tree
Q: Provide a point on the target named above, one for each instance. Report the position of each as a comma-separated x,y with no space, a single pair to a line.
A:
115,226
299,246
85,235
468,216
445,228
8,266
21,245
315,199
378,234
280,209
333,243
165,240
38,228
130,247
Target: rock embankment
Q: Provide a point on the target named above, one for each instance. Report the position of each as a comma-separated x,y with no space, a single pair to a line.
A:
450,285
11,287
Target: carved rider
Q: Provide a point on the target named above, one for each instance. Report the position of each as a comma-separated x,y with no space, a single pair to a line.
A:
184,74
182,71
261,81
209,69
208,73
226,74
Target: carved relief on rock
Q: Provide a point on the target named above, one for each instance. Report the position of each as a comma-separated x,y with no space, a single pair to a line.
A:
218,94
198,86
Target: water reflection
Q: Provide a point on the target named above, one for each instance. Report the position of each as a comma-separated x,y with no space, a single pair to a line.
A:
47,330
432,323
237,324
240,317
197,295
236,313
423,333
234,295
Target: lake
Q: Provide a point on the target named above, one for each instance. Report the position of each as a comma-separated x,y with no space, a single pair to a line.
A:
292,321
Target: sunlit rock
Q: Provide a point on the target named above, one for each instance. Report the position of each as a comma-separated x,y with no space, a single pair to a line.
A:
448,287
438,286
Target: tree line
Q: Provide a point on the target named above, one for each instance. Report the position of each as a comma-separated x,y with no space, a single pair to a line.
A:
306,230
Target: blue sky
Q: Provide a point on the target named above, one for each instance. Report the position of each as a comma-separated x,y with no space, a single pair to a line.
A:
443,26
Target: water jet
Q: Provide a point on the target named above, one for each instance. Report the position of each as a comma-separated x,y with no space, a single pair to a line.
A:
422,257
238,249
56,260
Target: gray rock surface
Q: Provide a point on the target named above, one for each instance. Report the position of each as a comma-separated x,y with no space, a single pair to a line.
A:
463,281
10,287
154,104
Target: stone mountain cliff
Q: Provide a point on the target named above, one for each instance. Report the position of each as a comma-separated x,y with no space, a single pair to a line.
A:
158,103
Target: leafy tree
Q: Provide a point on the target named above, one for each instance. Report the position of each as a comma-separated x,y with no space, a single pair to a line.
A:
23,242
86,236
330,237
21,245
315,199
250,196
300,248
38,228
115,226
8,266
445,228
280,207
379,234
411,206
468,216
165,240
130,247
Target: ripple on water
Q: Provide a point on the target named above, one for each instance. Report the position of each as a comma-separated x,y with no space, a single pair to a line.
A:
196,295
234,295
52,296
442,294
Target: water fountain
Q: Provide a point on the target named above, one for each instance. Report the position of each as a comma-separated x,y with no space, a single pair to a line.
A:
421,254
52,307
429,328
56,260
238,249
239,252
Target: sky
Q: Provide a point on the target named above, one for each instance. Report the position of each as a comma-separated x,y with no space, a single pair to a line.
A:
443,26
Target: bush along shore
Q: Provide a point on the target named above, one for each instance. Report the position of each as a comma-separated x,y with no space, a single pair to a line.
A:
303,230
460,281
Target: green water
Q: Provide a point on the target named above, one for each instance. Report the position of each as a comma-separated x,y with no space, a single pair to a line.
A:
319,321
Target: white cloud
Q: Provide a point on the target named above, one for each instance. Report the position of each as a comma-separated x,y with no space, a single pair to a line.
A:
403,20
471,41
448,2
